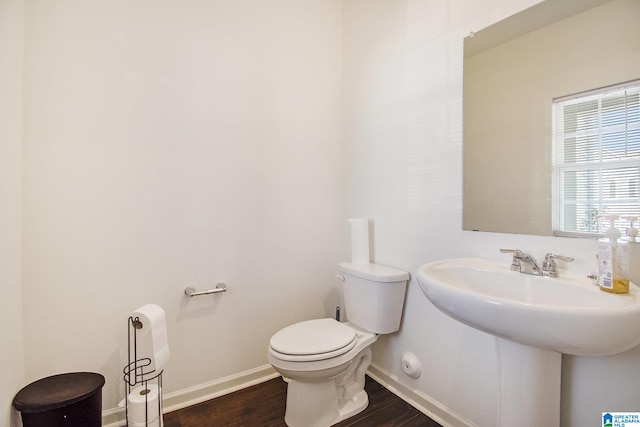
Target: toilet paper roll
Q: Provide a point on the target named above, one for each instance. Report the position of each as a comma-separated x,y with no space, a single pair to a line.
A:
151,338
143,400
359,240
155,423
152,318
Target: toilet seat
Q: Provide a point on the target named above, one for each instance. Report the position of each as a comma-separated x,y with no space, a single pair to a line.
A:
313,340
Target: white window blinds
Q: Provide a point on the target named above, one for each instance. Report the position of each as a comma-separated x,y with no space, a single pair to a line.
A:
596,158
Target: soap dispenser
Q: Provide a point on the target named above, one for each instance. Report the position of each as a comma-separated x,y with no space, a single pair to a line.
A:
613,255
632,232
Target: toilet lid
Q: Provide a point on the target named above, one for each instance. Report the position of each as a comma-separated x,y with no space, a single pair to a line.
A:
314,340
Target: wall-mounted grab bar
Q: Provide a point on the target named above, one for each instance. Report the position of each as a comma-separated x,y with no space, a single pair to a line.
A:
191,292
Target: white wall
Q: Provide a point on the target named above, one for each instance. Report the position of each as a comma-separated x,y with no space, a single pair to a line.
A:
11,56
402,157
170,144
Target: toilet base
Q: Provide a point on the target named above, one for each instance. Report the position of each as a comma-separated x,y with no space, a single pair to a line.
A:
316,405
327,402
354,406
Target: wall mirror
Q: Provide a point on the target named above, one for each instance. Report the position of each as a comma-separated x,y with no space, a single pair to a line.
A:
512,72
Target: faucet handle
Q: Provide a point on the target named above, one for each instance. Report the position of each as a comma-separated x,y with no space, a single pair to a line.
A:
517,254
550,256
549,264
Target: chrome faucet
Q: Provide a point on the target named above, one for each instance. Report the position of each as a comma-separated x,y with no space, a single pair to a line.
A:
525,263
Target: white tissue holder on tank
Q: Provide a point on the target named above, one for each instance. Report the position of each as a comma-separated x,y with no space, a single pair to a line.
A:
148,353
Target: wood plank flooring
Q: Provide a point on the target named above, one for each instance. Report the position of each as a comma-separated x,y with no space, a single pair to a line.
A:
263,405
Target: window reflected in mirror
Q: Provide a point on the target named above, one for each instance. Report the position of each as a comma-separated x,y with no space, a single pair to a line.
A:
596,159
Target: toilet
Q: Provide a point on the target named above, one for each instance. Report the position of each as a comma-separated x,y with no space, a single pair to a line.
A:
324,361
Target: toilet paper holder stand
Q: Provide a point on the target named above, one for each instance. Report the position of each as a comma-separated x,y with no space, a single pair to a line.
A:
136,373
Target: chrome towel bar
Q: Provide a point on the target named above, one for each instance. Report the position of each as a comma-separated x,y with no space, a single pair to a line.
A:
191,292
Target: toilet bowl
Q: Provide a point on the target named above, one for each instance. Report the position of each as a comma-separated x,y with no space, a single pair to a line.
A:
325,376
324,361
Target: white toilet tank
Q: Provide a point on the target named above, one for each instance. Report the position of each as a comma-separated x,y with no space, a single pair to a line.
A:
374,296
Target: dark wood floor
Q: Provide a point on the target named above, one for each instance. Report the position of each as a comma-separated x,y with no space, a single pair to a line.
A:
263,405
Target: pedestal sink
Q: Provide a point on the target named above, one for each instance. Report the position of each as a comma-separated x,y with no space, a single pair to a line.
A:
534,319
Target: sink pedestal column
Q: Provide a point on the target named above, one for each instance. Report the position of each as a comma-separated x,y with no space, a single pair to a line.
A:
529,385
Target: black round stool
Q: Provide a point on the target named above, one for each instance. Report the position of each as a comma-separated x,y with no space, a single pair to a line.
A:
65,400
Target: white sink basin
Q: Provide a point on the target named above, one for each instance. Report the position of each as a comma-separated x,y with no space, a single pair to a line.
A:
567,315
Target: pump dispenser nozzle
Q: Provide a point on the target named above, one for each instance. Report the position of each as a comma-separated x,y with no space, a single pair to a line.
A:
632,232
612,232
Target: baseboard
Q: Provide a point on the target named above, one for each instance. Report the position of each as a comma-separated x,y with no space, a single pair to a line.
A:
428,406
173,401
116,417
